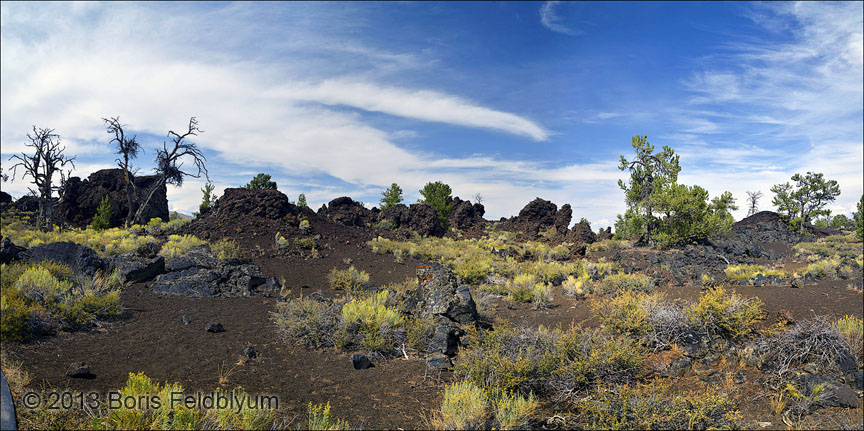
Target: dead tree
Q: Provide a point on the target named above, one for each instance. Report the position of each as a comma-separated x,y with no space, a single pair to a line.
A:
48,158
753,201
128,149
169,163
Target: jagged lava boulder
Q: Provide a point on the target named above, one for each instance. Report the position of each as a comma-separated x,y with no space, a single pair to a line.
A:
420,218
347,211
82,259
200,273
466,216
81,198
27,203
243,202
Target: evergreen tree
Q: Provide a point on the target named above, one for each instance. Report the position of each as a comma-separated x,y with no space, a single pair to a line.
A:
391,197
806,199
208,199
649,173
261,182
102,219
859,219
301,201
437,195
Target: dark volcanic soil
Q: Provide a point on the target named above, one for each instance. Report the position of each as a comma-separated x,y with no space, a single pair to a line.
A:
153,340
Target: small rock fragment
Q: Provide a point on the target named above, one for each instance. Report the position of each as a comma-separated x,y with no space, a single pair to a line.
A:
361,362
215,327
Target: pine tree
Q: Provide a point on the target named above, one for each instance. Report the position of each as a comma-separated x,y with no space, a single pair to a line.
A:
301,201
391,197
102,219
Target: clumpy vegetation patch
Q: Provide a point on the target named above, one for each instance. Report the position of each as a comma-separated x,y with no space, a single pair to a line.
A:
467,406
39,298
178,245
371,321
553,363
656,406
729,315
349,279
749,272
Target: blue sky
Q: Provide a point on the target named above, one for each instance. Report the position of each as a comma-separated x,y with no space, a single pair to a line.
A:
509,100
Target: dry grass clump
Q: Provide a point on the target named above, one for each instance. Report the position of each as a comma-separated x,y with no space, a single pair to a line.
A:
608,244
729,315
226,249
466,406
749,272
349,279
178,245
318,417
852,329
815,340
657,406
822,268
647,316
36,299
617,283
309,319
551,363
106,242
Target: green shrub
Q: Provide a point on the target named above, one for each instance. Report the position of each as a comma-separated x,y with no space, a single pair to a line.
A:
625,282
627,312
464,407
226,249
473,269
725,314
419,333
852,329
312,321
347,279
102,219
749,272
305,242
37,297
318,417
178,245
233,417
166,416
555,362
608,244
377,321
657,406
822,268
513,411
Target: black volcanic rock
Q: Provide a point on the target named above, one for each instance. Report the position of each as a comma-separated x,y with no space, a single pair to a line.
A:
81,198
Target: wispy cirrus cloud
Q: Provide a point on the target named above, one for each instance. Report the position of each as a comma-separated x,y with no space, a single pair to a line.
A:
550,18
796,103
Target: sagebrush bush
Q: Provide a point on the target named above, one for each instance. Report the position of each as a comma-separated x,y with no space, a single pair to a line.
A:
578,287
166,416
349,279
554,363
37,298
822,268
618,283
657,406
226,249
466,406
377,323
748,272
852,329
627,312
725,314
305,242
107,242
319,417
608,244
178,245
314,322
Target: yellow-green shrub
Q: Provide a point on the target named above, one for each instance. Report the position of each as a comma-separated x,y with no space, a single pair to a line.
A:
226,249
45,293
618,283
578,287
347,279
318,417
627,312
852,329
143,389
178,245
726,314
376,320
822,268
464,407
305,242
657,406
608,244
513,411
748,272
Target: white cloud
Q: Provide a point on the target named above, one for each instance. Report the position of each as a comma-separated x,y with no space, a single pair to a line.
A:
795,105
550,19
256,113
